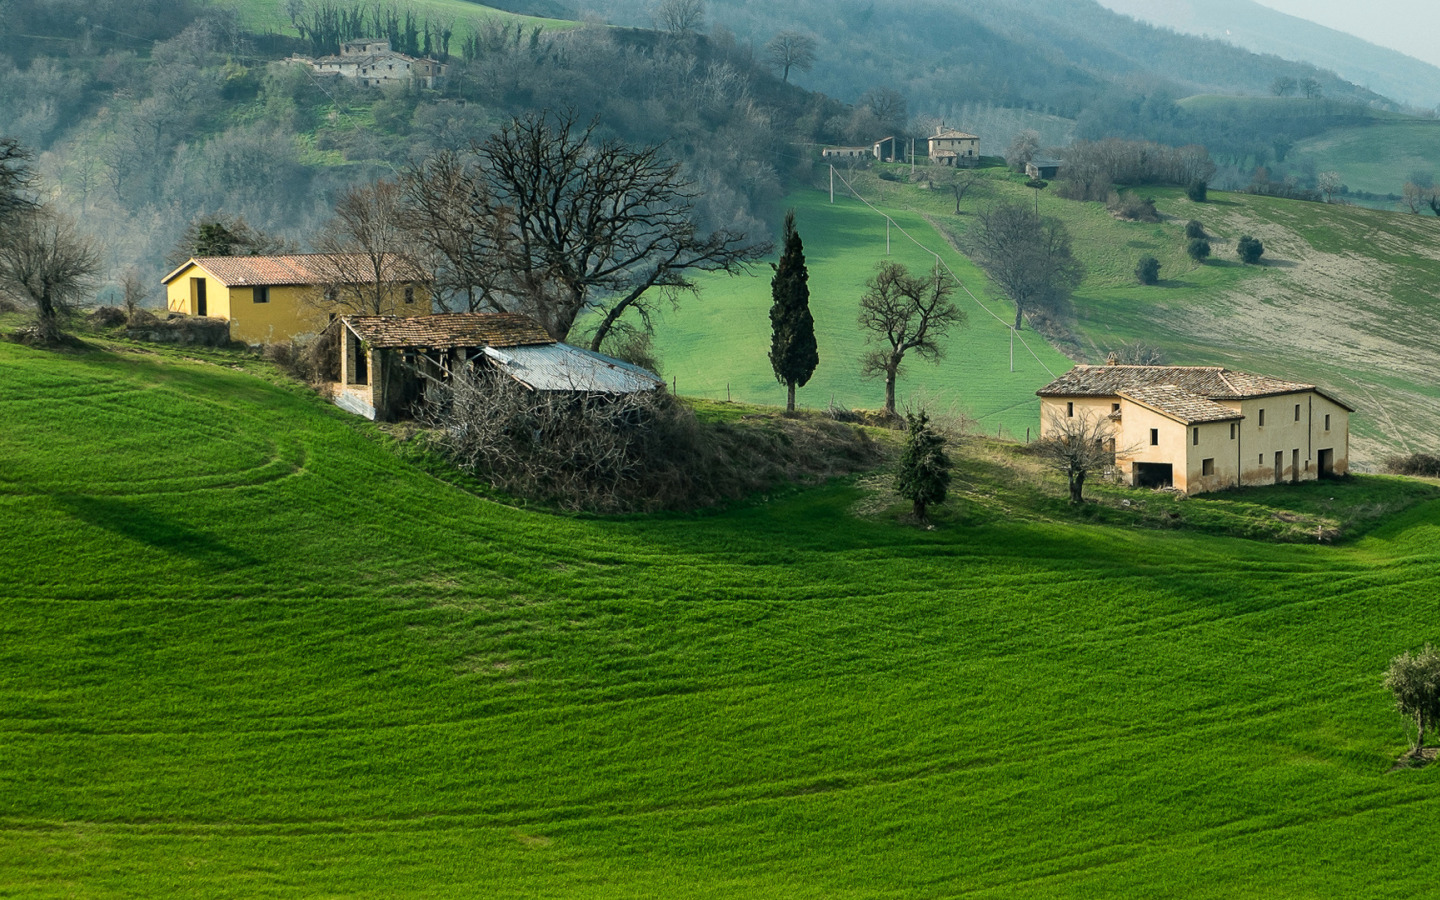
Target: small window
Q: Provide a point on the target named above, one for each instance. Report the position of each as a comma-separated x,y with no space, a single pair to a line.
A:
1195,436
1070,410
1154,437
409,293
1207,467
1114,407
262,295
1261,460
1327,421
1297,412
1232,431
1262,418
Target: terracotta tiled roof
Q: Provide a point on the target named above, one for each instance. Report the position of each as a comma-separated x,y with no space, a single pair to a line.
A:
1178,403
1204,382
951,134
303,268
448,330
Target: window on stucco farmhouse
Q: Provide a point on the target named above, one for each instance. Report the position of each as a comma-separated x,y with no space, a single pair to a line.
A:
1207,466
1070,409
262,295
1232,431
1154,437
1262,418
1297,412
1195,436
1327,421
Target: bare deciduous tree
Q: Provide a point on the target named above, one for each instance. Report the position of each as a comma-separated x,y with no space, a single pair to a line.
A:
902,312
45,262
1077,446
1022,149
1027,255
547,219
365,257
962,184
679,16
791,50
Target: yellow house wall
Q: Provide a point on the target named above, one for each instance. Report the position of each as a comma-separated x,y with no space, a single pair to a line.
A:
1132,441
290,311
1215,443
1282,433
1052,407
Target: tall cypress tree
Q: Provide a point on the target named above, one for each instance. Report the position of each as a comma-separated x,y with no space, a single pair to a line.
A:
793,355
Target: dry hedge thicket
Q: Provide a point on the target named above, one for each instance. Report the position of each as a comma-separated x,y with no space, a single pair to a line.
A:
626,453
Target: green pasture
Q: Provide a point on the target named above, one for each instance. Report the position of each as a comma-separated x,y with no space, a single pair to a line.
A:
269,15
720,340
1344,298
1379,158
247,651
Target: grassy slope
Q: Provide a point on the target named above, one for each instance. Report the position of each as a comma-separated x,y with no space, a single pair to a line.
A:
1345,299
1379,158
268,15
723,337
245,651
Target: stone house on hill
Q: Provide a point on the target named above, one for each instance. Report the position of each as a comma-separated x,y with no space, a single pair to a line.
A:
948,147
272,298
386,361
372,62
1204,428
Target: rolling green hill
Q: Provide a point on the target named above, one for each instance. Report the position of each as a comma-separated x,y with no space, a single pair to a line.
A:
264,15
1380,158
1344,299
247,651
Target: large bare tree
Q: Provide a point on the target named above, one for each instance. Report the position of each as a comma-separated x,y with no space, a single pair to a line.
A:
1027,255
900,313
365,259
45,262
548,219
791,50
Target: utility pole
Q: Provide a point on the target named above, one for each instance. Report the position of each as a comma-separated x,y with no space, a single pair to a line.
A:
832,185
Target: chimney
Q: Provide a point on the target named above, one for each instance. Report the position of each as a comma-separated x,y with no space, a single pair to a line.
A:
1112,360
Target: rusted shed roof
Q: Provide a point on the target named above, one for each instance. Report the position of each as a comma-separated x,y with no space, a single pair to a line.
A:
299,268
448,330
1209,382
1178,403
561,367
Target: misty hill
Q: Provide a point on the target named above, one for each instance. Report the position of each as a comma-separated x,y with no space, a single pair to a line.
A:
1031,53
1261,29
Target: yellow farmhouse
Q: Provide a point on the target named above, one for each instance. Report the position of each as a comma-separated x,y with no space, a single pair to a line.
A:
1203,428
272,298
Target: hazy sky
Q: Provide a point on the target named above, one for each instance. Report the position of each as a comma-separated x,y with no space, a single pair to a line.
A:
1405,25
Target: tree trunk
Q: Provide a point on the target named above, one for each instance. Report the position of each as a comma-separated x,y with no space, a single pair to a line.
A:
890,393
1419,732
1077,487
920,510
790,400
1018,314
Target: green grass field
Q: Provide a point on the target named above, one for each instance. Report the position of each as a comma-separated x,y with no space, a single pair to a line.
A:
1344,298
245,650
720,340
1380,158
266,15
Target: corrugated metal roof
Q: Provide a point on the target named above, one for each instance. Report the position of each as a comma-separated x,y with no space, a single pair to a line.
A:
561,367
447,330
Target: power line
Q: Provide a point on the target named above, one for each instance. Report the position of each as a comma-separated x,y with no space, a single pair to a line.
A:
1014,334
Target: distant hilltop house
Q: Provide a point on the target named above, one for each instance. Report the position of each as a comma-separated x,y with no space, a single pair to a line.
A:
271,298
372,62
846,153
948,147
1041,168
1204,428
387,361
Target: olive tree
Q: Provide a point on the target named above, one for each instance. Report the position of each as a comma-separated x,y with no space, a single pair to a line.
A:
1414,681
48,264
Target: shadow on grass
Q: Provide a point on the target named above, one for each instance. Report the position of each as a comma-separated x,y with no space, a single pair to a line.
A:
1279,263
159,531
